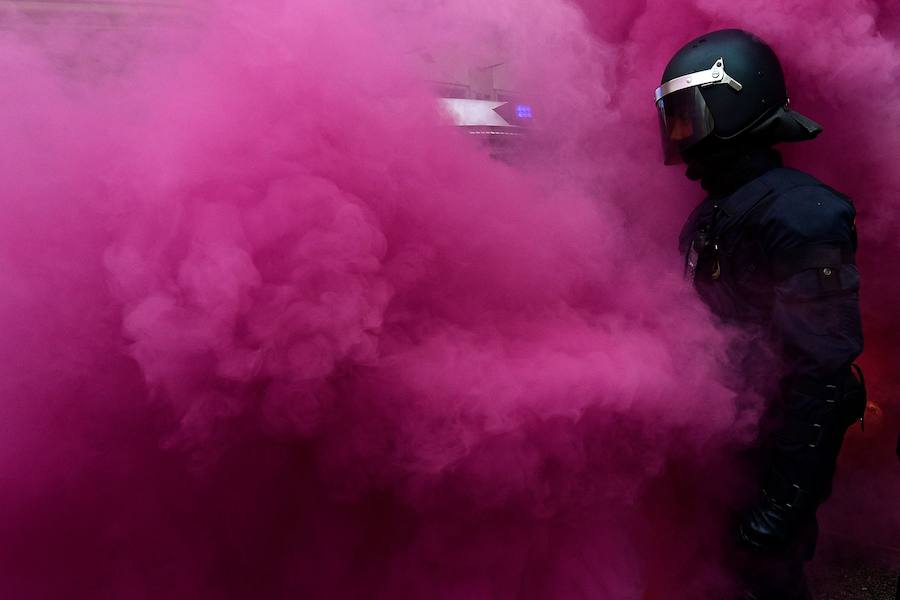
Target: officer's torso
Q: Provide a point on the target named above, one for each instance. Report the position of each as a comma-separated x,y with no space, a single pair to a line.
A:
724,252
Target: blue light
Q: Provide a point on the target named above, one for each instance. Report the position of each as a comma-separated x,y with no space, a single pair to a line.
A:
523,111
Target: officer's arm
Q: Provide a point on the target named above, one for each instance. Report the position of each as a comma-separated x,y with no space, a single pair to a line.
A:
816,312
810,239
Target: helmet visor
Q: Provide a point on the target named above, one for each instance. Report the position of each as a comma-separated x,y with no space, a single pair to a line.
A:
684,120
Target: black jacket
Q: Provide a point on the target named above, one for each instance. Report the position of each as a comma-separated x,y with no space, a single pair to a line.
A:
779,253
775,256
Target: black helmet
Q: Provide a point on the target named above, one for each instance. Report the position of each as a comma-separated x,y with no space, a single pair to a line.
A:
726,85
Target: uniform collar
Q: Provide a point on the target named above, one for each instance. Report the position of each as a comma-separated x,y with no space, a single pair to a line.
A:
725,173
731,209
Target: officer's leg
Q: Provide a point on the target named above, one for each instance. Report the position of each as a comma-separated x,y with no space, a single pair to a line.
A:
779,576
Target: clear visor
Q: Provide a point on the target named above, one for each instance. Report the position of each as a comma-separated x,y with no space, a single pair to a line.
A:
684,120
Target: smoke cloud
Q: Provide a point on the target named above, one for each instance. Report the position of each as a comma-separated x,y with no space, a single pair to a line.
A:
273,328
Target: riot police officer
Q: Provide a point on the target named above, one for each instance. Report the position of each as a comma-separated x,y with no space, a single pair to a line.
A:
771,251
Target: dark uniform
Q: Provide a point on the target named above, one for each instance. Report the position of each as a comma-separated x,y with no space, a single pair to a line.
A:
775,256
771,251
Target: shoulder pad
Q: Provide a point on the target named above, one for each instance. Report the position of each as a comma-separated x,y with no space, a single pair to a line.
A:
805,211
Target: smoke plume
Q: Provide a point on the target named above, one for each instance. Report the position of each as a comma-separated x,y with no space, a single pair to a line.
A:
273,328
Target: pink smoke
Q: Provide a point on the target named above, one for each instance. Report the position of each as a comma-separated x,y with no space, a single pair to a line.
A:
274,329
